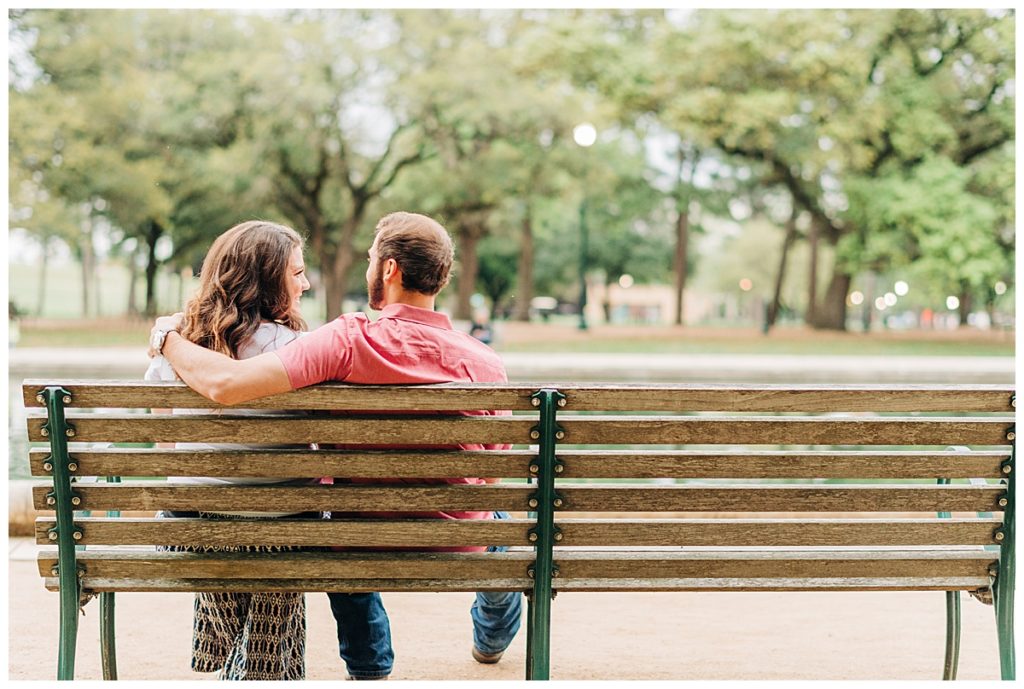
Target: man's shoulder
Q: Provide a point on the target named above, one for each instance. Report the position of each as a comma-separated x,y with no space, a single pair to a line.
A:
483,354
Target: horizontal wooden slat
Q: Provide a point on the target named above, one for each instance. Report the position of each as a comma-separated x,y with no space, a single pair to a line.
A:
754,498
777,532
121,564
100,585
789,398
255,429
225,428
277,463
288,463
142,495
305,533
641,397
575,532
774,564
572,565
666,430
126,394
768,585
779,464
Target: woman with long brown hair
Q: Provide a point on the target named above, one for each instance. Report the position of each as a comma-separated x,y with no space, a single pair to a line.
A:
247,303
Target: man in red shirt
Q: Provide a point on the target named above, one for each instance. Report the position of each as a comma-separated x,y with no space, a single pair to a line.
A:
409,263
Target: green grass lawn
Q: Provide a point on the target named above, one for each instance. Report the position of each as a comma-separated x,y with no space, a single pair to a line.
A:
520,337
857,345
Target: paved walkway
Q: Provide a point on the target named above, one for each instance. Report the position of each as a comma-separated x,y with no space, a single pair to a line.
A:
524,366
637,636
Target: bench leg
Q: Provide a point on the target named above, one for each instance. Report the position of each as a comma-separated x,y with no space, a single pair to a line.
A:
529,635
1004,628
952,635
1002,592
108,651
68,626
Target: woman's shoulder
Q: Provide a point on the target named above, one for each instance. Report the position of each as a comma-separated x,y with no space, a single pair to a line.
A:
268,337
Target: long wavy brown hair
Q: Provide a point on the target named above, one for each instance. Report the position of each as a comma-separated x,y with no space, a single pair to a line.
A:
243,282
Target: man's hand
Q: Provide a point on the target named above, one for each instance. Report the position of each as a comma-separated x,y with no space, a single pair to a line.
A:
165,323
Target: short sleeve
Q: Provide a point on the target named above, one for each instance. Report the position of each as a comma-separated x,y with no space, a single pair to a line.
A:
267,338
323,354
159,370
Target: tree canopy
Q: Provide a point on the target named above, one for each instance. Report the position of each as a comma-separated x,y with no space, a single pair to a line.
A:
871,140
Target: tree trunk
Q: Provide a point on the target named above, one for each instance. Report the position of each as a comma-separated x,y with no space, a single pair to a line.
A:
155,231
87,259
339,262
524,290
42,275
679,261
773,308
831,313
470,232
812,277
133,277
966,304
181,288
679,267
606,300
869,301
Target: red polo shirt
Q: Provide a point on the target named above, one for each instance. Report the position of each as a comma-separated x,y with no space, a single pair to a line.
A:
406,345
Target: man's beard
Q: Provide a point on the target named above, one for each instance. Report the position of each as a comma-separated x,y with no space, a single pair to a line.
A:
375,289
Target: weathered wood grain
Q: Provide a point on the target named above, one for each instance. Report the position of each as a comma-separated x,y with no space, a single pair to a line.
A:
604,430
99,585
294,565
267,429
779,464
789,398
143,495
608,397
781,498
293,463
132,495
772,565
334,396
295,532
575,532
708,430
747,584
574,565
776,532
281,463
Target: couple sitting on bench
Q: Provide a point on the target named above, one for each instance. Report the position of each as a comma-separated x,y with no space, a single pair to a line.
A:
242,337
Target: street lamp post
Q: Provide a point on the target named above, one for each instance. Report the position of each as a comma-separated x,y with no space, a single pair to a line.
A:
584,135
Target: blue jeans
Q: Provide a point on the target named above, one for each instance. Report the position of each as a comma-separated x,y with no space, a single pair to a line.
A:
364,633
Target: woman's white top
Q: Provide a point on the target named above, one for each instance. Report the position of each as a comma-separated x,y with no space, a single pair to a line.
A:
268,337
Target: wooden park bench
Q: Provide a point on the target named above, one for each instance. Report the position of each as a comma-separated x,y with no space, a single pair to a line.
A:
763,488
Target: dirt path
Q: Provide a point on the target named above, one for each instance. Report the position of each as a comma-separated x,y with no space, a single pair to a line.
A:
596,636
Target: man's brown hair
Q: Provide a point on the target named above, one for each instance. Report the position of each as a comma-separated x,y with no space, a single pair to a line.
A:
420,246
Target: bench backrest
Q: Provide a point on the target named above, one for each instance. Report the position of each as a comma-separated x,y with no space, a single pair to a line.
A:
832,468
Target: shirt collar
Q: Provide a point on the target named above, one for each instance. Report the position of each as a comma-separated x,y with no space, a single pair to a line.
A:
416,315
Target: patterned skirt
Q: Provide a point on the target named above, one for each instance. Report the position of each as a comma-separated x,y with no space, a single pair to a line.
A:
248,636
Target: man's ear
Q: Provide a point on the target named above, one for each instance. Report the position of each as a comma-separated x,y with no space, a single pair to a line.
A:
391,269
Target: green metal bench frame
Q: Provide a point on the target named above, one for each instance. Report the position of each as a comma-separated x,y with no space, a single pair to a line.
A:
545,500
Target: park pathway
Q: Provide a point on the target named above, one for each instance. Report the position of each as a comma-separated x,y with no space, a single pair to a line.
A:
627,636
131,362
